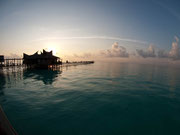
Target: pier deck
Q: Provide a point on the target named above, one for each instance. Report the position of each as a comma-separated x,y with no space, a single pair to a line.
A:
11,62
19,62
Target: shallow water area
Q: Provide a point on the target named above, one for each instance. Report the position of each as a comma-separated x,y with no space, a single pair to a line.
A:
99,99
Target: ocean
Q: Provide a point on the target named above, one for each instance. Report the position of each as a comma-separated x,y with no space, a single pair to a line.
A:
104,98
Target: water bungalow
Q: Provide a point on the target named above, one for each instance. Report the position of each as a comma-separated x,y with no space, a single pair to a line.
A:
43,60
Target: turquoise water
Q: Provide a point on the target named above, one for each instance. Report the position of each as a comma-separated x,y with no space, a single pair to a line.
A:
94,99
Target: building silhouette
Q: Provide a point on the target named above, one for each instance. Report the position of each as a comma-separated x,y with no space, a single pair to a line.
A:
43,60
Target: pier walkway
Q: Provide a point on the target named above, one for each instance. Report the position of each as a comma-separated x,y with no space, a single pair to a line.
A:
11,62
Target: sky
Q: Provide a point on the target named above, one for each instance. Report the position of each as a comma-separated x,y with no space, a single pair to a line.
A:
110,28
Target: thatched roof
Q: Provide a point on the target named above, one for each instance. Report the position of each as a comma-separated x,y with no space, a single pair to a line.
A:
43,55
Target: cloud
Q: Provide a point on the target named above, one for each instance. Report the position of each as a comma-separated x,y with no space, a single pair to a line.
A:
84,55
93,37
121,52
150,52
80,57
115,51
162,53
174,52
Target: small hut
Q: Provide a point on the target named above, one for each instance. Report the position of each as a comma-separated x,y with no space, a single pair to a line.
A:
43,60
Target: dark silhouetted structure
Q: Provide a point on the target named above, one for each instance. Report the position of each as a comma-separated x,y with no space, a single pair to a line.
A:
43,60
1,60
46,76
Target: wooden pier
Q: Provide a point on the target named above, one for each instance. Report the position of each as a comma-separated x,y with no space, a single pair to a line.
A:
19,62
43,60
11,62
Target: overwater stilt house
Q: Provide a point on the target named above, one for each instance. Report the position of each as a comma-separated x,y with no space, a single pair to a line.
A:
43,60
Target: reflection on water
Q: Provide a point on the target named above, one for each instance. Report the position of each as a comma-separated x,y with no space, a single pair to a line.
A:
15,77
162,74
47,76
139,75
116,73
2,82
99,99
11,76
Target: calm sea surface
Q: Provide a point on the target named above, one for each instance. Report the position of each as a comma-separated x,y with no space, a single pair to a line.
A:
94,99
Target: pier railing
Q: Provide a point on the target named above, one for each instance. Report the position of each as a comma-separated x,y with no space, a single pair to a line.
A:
19,62
11,62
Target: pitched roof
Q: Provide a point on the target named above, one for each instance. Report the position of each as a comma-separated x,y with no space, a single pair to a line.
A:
43,54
